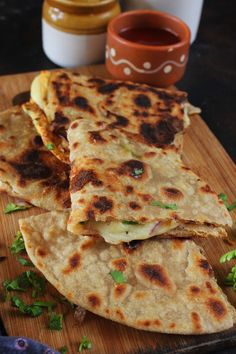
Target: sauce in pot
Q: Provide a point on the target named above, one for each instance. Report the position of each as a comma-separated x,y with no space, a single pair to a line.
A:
150,36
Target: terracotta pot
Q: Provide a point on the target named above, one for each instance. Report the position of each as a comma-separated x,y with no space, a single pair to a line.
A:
155,65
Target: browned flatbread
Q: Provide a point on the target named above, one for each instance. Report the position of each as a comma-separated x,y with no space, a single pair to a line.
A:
157,117
27,169
169,286
124,189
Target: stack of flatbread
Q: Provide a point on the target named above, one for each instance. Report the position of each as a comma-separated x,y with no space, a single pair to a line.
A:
134,204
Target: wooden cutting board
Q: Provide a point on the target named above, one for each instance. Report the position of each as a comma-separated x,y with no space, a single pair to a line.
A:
204,154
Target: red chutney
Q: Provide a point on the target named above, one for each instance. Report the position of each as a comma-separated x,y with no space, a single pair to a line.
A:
150,36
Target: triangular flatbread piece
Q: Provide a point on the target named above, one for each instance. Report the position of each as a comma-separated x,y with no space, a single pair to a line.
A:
165,285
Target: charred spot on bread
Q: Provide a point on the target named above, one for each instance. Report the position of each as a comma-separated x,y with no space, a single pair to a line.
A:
163,132
83,104
84,177
120,264
38,141
205,267
155,274
32,166
94,300
132,246
103,204
60,118
120,122
62,92
108,87
132,168
96,137
196,321
142,101
119,290
73,263
74,125
129,189
96,80
64,76
194,289
216,307
172,193
135,206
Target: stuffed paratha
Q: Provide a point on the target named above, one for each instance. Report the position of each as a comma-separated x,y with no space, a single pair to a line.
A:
59,97
124,189
27,169
168,285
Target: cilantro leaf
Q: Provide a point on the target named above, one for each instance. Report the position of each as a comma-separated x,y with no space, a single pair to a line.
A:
84,344
228,256
129,222
230,280
118,276
38,283
63,350
137,172
20,283
18,244
12,207
164,205
224,198
50,146
55,321
25,262
47,304
25,281
31,310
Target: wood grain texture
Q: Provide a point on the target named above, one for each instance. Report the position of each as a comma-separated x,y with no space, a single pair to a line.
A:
204,154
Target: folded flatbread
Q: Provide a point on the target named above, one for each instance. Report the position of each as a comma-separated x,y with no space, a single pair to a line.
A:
27,169
59,97
168,286
124,189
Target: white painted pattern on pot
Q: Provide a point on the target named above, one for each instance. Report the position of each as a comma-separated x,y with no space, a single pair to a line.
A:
167,66
167,69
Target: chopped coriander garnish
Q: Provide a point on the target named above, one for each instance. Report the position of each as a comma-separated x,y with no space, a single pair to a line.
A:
230,280
231,277
25,262
31,310
38,283
12,207
129,222
63,350
118,276
84,344
48,304
228,256
50,146
55,321
26,280
137,172
224,198
35,309
18,244
164,205
20,283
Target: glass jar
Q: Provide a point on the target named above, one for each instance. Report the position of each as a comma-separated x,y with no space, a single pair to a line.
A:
74,31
